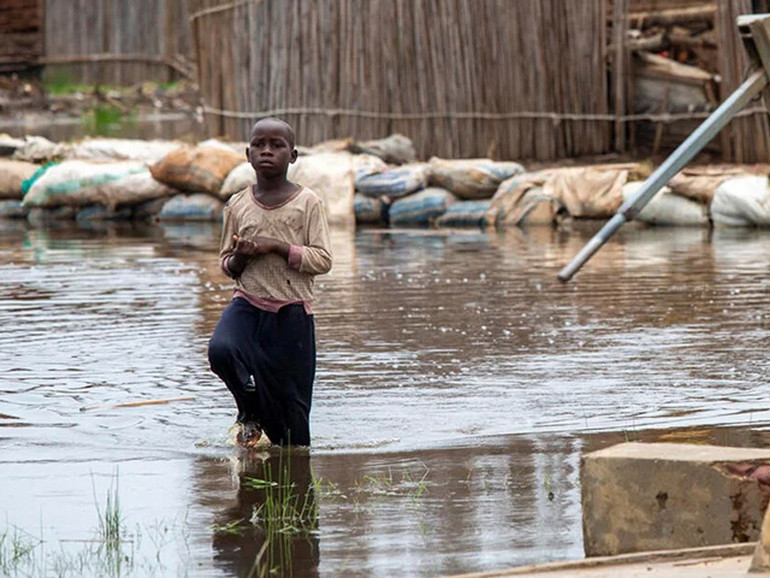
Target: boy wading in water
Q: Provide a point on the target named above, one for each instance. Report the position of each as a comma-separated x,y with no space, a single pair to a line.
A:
275,240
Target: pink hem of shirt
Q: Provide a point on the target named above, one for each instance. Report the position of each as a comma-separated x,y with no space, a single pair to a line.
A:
272,305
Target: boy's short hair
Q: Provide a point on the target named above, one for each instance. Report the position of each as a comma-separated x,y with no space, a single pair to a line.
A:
289,129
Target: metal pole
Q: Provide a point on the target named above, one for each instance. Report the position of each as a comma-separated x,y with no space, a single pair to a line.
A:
672,165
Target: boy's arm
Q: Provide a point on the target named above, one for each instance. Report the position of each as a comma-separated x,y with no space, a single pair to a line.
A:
226,246
314,258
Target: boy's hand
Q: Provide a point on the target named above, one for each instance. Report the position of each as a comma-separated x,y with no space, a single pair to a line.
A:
254,245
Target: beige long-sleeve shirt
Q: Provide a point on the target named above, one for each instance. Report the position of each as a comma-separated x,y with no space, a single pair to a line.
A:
301,222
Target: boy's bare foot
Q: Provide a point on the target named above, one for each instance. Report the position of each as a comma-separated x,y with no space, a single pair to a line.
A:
247,435
251,435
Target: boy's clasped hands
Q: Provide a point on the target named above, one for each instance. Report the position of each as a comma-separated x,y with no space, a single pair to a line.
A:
259,245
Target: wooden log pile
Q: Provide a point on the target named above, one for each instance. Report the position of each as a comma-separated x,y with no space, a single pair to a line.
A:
682,59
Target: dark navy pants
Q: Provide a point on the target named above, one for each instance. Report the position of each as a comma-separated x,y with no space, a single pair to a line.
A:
267,361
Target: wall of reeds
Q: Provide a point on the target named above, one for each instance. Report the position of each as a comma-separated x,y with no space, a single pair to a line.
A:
746,139
21,34
506,79
118,42
523,79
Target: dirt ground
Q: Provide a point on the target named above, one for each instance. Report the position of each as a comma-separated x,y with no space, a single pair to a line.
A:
23,96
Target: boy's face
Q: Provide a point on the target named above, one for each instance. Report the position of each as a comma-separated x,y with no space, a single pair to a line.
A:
271,148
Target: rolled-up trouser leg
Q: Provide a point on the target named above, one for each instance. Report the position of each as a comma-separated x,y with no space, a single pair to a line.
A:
227,346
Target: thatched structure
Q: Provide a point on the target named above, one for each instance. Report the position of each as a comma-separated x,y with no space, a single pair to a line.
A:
508,79
117,41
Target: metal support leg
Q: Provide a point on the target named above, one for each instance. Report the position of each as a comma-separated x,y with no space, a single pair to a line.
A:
672,165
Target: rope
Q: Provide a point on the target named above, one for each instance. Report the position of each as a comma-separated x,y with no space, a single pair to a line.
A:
214,9
553,116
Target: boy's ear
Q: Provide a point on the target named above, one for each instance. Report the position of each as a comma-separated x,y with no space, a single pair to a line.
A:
293,157
247,154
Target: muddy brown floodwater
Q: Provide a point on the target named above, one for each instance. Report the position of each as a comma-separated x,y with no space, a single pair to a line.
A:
459,384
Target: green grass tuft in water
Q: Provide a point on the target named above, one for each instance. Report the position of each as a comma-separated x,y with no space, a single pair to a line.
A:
107,120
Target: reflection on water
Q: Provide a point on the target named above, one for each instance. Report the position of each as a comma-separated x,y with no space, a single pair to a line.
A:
270,526
459,383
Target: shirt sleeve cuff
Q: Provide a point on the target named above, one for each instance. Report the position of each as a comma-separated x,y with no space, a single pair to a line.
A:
224,264
295,257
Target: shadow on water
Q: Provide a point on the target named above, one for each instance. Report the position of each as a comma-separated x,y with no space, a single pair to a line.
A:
459,385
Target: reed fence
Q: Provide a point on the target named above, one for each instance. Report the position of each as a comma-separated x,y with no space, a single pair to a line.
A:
522,79
117,41
462,78
747,139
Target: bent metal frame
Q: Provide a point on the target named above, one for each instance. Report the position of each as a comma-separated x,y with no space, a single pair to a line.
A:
755,34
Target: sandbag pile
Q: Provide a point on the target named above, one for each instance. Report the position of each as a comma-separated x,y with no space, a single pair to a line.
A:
99,179
669,208
373,182
114,187
119,178
594,192
742,202
113,149
696,197
443,192
395,149
12,177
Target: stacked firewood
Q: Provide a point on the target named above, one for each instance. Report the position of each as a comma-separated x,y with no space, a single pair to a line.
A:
675,59
673,69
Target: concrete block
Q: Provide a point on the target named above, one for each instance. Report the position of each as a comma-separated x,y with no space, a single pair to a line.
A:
760,562
641,497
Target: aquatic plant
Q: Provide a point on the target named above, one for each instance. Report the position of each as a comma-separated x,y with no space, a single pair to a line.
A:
107,120
16,549
379,484
234,528
287,512
111,519
384,484
326,489
111,531
110,553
